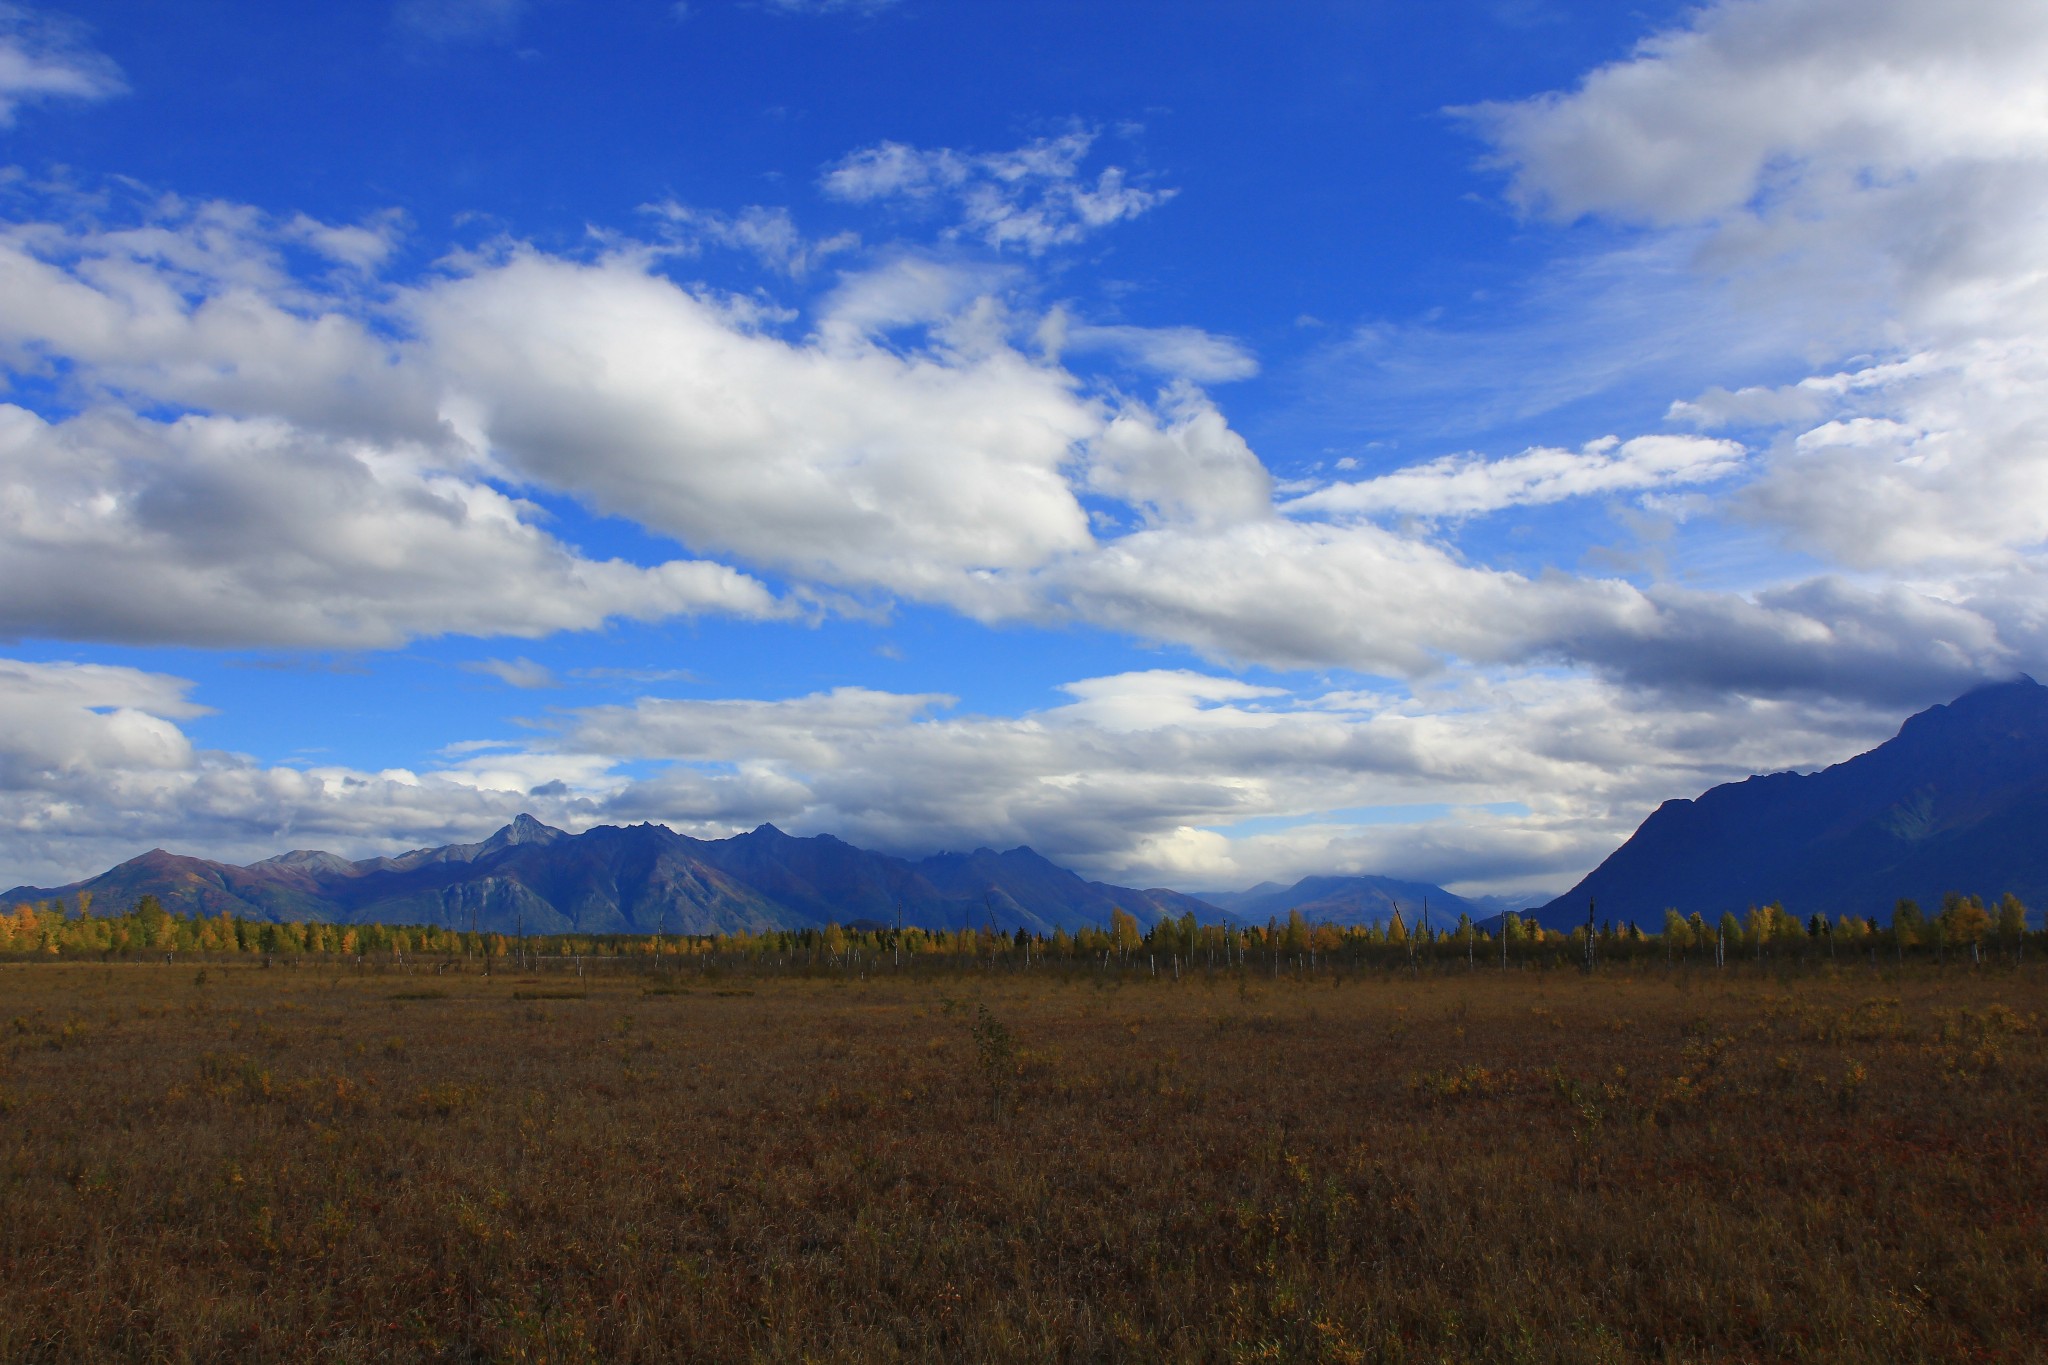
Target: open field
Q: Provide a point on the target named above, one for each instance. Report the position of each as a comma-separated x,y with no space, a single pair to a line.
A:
322,1162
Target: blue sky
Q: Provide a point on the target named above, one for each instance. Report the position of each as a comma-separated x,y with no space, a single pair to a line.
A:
1208,442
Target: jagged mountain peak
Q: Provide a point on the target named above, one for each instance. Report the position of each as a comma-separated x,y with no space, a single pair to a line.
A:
524,829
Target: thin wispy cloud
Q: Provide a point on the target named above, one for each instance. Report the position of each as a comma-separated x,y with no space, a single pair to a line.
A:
770,235
1470,485
47,57
1031,199
521,672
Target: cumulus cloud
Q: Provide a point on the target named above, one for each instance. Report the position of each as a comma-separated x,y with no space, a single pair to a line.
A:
949,472
361,246
1033,198
221,531
1880,171
66,720
1934,462
1890,645
1753,100
1305,595
46,57
842,460
197,306
1185,465
852,463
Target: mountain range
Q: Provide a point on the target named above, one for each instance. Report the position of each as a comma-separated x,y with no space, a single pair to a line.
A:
647,878
635,879
1956,801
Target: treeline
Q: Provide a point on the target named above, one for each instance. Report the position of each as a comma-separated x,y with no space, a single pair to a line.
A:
1962,925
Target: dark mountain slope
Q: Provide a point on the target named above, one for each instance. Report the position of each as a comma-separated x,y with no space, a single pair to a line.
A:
1957,800
824,878
1019,888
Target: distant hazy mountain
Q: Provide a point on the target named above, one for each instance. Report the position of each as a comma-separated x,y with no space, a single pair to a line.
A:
1956,801
642,878
1346,900
1493,907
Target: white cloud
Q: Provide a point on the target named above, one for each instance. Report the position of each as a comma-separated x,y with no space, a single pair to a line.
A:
1188,467
1294,594
195,305
519,771
620,676
1032,198
45,57
946,474
1933,463
1306,595
68,720
894,169
841,461
1467,485
1756,101
1154,698
1875,175
218,531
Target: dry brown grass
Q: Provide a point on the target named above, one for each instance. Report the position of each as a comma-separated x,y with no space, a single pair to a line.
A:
317,1163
